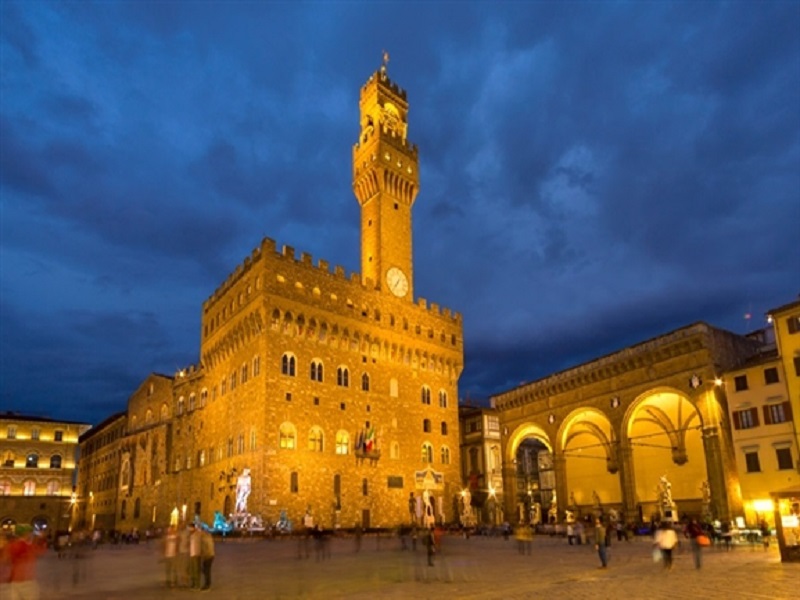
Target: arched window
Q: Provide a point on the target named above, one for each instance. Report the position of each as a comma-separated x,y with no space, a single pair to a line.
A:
342,442
203,397
288,436
427,453
180,406
53,487
244,373
233,381
123,511
164,412
256,366
288,364
442,399
426,425
5,487
32,461
8,458
445,455
316,370
365,487
444,427
315,439
240,444
148,417
426,394
55,461
343,377
29,488
193,401
365,382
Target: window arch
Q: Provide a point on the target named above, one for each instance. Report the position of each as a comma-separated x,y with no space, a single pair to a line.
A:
55,461
148,417
53,487
8,458
425,394
164,412
442,399
315,439
365,382
288,436
342,442
288,364
29,487
427,453
343,377
5,487
316,370
203,397
32,461
181,405
445,454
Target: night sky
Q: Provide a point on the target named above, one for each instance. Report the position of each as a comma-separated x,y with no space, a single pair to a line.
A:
592,174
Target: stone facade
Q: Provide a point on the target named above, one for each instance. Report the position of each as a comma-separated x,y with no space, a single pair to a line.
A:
37,471
299,363
615,425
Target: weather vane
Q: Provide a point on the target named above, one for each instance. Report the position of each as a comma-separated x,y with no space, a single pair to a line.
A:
385,62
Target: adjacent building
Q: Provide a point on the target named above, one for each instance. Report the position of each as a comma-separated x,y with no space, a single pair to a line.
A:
481,462
37,472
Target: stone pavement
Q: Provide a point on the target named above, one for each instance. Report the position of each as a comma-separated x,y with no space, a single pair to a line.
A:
477,568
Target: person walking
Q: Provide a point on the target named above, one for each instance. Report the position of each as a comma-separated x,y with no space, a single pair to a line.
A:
171,557
665,540
206,557
600,534
182,563
430,544
694,532
194,557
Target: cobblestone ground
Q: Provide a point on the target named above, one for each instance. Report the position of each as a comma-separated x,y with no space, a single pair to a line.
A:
476,568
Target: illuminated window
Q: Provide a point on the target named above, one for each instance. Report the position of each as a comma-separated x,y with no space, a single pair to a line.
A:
342,442
35,433
148,416
745,419
164,412
315,439
53,488
180,406
5,488
445,455
201,458
442,399
288,364
427,453
343,377
12,432
29,488
55,461
288,436
59,435
32,461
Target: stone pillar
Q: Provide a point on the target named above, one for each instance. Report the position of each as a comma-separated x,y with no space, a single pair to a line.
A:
560,468
627,482
716,475
509,500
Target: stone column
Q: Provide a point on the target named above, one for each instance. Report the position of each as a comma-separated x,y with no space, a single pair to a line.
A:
509,500
627,482
560,468
716,474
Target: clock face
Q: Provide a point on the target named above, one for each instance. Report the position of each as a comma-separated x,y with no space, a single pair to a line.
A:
397,282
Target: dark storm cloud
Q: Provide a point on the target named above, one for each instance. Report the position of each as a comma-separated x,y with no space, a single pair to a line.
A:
592,174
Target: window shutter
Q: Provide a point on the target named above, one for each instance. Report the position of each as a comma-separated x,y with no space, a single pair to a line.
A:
754,412
787,410
737,421
767,415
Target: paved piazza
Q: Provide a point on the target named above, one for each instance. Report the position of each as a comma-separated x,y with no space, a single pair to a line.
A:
476,568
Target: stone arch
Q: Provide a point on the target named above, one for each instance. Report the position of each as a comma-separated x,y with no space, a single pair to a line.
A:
589,445
531,484
663,430
520,434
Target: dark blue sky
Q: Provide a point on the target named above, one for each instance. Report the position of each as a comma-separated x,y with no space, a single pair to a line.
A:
593,174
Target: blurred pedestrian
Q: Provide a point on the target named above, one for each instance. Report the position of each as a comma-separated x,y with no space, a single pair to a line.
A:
194,557
430,544
171,556
182,563
600,542
21,553
207,557
665,540
695,534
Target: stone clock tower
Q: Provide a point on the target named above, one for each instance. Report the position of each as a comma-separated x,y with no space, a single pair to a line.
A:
385,182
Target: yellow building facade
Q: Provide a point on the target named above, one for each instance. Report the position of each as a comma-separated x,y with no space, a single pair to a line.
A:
612,428
37,471
337,393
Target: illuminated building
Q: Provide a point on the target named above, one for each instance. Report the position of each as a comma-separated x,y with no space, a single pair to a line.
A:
37,471
481,461
338,392
615,425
